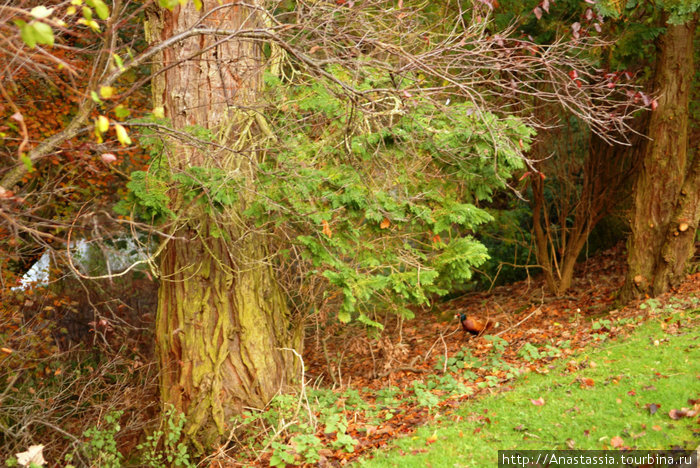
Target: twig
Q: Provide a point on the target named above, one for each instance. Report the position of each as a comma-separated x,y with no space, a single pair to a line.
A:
520,322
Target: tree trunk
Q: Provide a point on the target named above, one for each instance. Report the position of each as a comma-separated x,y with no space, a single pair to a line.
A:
224,332
666,193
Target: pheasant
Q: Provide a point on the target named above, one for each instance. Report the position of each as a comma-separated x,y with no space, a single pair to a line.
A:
473,325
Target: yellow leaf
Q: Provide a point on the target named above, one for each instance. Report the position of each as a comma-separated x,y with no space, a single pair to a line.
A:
41,12
122,135
107,92
103,123
6,350
71,10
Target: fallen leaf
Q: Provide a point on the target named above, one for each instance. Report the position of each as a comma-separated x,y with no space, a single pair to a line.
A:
656,427
538,402
385,223
677,414
617,442
587,382
432,439
652,407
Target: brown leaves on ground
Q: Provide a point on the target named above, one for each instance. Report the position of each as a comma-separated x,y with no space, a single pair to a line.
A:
691,412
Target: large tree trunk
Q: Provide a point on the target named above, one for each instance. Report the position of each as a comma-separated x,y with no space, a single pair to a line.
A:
665,214
224,332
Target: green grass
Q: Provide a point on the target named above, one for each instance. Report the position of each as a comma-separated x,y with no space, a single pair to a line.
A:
627,374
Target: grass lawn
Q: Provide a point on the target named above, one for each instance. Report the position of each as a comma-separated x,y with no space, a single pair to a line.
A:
616,395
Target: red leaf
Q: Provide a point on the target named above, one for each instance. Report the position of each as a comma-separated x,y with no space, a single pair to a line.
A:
573,74
617,442
538,12
538,402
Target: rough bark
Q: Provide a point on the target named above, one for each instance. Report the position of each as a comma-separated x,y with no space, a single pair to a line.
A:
656,259
224,332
